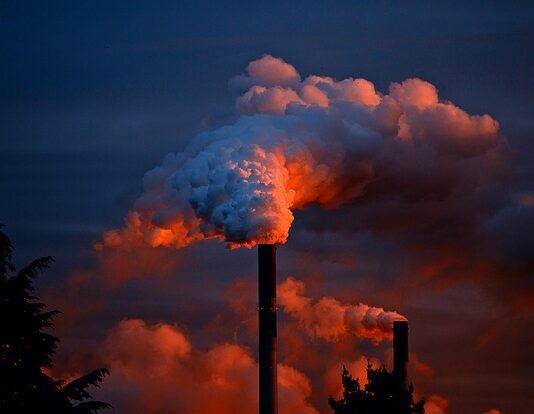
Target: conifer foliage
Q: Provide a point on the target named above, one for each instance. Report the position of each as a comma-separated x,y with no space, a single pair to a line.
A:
26,348
383,394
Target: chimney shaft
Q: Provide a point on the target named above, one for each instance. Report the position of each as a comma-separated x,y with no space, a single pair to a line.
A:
267,329
400,351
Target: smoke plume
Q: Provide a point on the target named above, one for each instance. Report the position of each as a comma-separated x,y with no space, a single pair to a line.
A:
156,369
297,142
436,404
329,319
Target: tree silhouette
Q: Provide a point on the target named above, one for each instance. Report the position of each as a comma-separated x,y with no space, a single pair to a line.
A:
25,348
382,394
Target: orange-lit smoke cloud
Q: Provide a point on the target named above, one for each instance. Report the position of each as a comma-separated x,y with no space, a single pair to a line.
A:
436,404
330,320
298,142
155,368
357,368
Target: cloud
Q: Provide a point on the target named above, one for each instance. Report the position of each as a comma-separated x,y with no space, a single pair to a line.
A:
268,71
436,404
155,368
527,200
299,143
510,226
329,319
357,368
271,101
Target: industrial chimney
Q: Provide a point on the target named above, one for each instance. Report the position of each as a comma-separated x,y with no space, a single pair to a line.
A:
267,328
400,351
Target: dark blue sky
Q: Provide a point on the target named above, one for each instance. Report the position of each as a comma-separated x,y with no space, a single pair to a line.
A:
93,94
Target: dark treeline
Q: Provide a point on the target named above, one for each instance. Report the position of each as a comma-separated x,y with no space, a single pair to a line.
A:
383,394
27,348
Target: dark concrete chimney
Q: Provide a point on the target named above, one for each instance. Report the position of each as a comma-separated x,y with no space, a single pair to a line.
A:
400,351
267,328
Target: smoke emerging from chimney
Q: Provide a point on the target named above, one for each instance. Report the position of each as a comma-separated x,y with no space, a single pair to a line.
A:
330,319
297,142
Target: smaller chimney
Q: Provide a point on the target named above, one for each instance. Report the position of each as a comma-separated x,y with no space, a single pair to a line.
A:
400,351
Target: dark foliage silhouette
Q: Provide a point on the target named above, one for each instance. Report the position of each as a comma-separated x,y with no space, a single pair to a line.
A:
383,394
25,348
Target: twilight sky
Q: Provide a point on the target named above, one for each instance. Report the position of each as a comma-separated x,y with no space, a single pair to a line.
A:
94,96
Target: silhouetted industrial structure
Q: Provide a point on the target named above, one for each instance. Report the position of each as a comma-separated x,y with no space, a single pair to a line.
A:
268,403
400,351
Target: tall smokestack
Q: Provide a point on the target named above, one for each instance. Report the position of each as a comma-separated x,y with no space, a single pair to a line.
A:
400,351
267,328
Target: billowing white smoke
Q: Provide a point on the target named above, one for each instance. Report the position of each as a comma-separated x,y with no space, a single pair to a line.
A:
330,319
298,142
